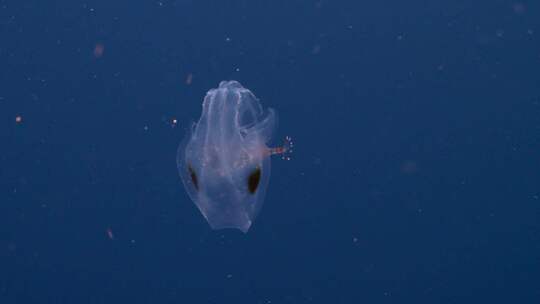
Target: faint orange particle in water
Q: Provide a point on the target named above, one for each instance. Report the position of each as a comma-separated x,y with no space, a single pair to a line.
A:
98,50
18,119
189,79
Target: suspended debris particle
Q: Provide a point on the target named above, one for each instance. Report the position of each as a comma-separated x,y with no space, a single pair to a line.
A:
98,50
110,234
189,79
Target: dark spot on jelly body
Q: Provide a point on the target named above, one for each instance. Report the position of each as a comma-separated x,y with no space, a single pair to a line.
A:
253,180
193,177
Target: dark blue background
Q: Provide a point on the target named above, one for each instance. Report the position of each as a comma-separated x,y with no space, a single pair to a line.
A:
415,176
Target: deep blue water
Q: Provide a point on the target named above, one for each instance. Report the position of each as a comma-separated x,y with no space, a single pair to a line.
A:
415,176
